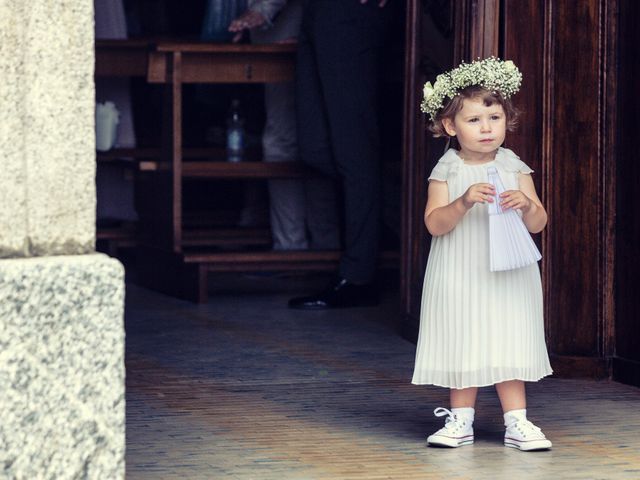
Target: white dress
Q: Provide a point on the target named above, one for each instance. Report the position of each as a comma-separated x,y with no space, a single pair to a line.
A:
477,327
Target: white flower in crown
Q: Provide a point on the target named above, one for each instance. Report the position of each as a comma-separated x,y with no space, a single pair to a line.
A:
492,73
428,90
509,66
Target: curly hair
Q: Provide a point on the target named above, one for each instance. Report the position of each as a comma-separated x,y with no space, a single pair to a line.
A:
454,105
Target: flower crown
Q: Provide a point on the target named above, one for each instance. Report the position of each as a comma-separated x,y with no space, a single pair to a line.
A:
491,73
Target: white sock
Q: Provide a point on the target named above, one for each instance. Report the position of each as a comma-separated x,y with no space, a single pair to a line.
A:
467,413
512,416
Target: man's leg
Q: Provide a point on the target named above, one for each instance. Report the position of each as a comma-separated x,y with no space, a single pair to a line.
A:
286,196
336,61
314,144
347,37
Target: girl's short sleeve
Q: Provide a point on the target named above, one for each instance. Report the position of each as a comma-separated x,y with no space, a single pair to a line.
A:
524,168
511,162
439,172
446,167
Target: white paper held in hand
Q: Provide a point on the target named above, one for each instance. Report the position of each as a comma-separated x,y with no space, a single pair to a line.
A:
510,243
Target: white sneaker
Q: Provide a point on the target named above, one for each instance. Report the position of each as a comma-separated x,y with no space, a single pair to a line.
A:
524,435
457,430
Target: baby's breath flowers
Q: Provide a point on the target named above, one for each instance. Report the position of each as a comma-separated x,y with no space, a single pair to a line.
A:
491,73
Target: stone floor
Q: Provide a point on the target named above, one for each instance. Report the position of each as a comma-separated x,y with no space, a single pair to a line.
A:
243,388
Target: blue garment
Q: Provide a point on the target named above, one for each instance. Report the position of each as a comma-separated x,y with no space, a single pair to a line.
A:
218,17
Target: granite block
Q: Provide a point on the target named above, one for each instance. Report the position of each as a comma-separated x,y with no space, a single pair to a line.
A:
47,139
62,368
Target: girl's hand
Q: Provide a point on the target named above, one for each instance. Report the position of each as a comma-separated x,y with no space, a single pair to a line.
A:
249,19
478,193
515,199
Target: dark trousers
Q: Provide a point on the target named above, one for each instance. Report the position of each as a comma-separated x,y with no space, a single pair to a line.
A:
336,98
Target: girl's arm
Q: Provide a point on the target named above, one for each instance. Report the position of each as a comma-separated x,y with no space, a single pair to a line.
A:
440,216
526,199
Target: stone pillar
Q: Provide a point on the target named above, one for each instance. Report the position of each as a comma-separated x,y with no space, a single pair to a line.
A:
61,304
47,182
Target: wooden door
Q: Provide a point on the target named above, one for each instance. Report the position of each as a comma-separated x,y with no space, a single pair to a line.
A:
567,52
626,361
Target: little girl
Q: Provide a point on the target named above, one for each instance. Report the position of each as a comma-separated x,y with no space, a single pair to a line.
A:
478,327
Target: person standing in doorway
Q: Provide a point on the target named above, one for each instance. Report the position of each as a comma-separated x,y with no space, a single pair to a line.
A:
295,223
337,90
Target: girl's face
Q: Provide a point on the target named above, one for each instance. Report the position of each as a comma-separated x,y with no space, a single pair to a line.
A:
480,129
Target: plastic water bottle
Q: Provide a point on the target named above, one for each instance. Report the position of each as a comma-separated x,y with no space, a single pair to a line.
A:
235,133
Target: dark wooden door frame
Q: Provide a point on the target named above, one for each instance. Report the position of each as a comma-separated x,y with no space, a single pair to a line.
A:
518,30
476,25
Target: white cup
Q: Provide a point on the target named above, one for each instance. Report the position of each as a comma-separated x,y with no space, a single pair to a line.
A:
107,119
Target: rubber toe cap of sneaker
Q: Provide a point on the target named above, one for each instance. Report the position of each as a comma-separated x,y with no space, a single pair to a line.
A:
442,441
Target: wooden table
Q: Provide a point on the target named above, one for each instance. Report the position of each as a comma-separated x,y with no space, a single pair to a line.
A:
164,263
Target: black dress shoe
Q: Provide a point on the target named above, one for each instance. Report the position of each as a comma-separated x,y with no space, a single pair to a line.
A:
340,294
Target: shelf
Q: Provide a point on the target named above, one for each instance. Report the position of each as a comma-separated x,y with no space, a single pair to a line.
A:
233,170
226,237
120,234
111,239
201,62
206,62
122,58
229,48
120,153
244,170
185,274
154,154
308,260
115,238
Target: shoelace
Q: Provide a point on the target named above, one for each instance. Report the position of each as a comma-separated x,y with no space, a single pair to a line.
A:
525,427
451,422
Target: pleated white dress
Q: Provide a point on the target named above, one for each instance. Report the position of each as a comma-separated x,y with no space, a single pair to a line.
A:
478,327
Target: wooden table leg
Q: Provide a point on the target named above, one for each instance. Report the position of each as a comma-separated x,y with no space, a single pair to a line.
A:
176,149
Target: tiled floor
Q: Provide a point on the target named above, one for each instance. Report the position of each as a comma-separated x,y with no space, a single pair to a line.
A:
243,388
